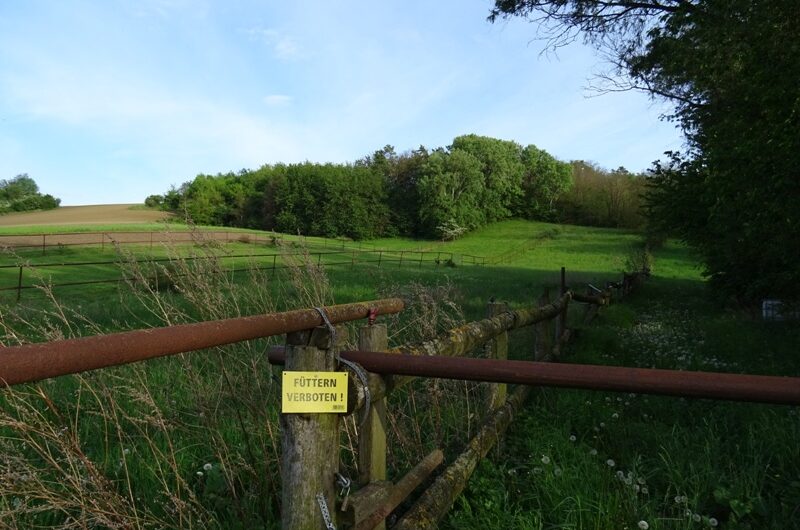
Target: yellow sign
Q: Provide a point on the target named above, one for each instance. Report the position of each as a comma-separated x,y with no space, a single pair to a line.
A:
314,392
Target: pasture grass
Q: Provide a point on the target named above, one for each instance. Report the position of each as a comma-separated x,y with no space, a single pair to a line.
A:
191,441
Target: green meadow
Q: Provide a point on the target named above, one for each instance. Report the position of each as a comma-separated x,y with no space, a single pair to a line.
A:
193,440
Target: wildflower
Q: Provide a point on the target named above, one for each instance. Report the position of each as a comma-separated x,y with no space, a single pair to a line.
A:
557,471
545,459
640,480
602,425
207,467
126,451
610,463
678,499
712,521
573,438
620,475
199,473
593,452
645,491
643,525
615,415
537,470
637,488
696,517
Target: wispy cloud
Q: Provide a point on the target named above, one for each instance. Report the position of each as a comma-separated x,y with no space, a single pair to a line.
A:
283,46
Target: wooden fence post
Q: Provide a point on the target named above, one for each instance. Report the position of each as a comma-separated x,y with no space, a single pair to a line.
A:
309,442
19,284
372,437
497,349
380,257
542,341
401,258
44,244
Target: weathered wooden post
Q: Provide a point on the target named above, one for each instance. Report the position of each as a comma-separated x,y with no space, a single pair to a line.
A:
421,255
274,257
497,349
44,244
372,437
19,284
401,258
542,341
380,257
309,442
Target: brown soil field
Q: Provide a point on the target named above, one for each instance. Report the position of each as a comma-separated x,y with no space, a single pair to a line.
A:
83,215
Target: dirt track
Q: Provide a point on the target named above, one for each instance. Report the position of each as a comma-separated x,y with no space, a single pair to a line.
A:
83,215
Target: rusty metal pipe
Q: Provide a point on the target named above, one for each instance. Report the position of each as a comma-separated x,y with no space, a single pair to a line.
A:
712,385
32,362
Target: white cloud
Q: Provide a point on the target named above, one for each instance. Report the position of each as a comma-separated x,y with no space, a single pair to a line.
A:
277,100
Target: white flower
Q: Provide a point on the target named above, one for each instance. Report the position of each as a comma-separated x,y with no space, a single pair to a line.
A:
593,452
610,463
615,415
545,459
126,451
557,471
573,438
620,475
199,473
712,522
696,517
602,425
637,488
678,499
645,491
640,480
643,525
207,467
537,470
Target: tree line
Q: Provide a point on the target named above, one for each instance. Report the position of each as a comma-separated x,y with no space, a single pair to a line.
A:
439,193
21,194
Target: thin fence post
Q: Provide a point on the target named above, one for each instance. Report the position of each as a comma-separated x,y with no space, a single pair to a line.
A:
102,241
151,240
319,258
44,244
421,255
542,340
353,260
401,259
562,318
309,443
380,257
438,259
274,257
19,284
498,349
372,437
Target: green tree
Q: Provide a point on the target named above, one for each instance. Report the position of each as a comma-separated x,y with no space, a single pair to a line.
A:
502,172
450,192
730,68
544,180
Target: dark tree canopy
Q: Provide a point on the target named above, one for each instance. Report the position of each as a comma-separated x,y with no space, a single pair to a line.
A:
21,194
730,67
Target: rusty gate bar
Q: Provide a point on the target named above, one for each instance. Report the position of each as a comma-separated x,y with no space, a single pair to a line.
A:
32,362
735,387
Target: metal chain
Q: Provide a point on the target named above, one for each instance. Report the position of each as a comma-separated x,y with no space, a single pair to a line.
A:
354,367
326,515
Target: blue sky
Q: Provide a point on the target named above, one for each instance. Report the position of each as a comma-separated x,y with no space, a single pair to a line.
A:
111,101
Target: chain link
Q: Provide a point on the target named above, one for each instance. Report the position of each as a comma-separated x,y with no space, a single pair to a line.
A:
326,515
354,367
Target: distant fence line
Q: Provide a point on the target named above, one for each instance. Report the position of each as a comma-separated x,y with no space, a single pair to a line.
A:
351,257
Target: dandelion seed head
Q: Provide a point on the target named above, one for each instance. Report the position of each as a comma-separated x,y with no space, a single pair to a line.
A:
207,467
712,521
126,451
643,525
557,471
545,459
696,517
615,415
610,463
199,473
593,452
573,438
645,491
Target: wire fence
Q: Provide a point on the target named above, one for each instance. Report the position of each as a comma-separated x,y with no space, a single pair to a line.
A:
31,276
